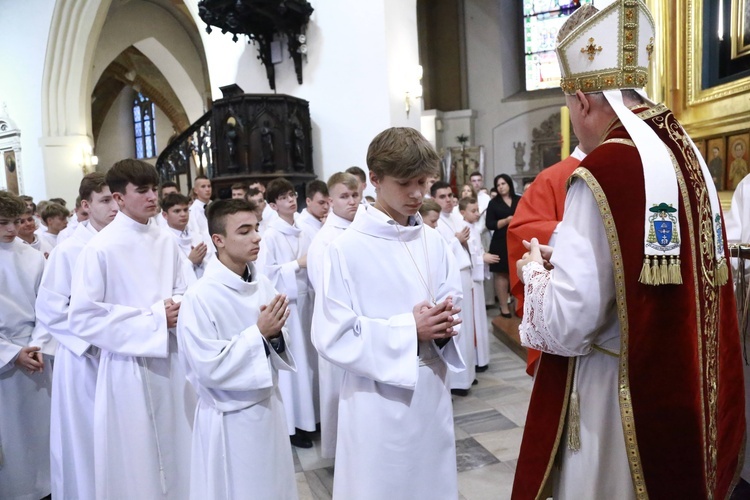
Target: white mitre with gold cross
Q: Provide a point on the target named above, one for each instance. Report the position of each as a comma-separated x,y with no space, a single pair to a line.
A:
608,51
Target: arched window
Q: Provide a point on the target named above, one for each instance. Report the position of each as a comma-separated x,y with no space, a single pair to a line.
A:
542,20
144,126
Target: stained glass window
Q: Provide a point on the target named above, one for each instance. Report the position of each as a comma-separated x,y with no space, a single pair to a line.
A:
144,127
542,20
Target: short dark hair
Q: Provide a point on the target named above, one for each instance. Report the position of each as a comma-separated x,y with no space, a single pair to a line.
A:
54,210
402,152
465,202
316,186
130,171
59,201
439,185
252,192
167,184
239,185
29,199
217,212
173,199
11,206
278,187
91,183
476,173
358,172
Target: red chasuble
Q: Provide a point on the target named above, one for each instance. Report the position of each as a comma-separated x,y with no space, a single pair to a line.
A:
681,384
537,215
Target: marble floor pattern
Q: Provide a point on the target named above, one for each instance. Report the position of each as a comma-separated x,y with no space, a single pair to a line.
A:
488,423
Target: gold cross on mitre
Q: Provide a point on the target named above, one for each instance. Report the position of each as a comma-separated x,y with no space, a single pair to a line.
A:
591,49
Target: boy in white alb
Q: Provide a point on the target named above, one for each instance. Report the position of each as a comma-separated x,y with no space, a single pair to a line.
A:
27,234
25,381
456,233
343,189
311,219
232,338
55,217
386,316
283,259
122,302
76,362
203,191
469,209
193,245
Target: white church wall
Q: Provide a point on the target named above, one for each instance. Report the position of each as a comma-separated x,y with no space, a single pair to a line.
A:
358,53
22,62
495,75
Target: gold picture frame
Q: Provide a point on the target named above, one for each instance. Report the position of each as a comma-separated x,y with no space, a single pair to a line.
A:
740,28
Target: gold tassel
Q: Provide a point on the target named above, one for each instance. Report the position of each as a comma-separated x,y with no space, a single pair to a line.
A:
645,277
676,271
574,422
655,275
663,270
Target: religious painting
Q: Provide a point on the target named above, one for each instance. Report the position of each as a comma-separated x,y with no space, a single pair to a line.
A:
715,156
701,145
11,173
737,158
740,28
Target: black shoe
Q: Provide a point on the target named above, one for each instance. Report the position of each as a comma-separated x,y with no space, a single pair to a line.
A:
480,369
460,392
300,441
505,315
475,382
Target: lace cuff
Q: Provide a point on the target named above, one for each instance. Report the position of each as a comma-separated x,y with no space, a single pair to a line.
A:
533,330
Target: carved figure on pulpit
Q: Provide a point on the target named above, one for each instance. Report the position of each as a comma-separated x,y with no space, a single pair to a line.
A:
520,148
266,140
298,151
231,142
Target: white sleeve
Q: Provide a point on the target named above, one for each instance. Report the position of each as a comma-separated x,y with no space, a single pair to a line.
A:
566,308
237,364
120,329
281,274
53,302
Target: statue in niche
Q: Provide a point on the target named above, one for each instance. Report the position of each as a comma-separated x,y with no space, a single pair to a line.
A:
299,148
266,141
520,148
231,141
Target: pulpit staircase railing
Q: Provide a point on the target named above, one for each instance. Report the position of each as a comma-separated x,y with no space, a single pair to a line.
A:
188,155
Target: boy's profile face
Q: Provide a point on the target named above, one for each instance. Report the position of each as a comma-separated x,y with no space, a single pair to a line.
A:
177,217
286,204
431,218
27,226
444,198
102,207
56,224
8,228
318,206
344,201
241,242
400,197
471,213
138,202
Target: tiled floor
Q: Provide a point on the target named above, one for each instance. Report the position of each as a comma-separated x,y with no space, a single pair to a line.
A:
488,422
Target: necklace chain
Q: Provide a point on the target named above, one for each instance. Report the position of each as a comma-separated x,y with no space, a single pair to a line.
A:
428,282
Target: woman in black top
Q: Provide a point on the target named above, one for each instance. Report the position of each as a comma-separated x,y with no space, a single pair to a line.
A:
499,214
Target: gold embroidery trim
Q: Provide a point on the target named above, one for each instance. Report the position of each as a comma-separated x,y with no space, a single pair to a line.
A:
605,351
626,403
560,427
626,142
